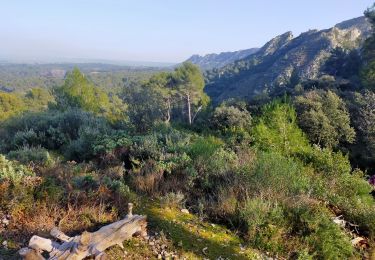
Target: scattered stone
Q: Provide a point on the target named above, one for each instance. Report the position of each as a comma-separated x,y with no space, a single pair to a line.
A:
360,242
339,221
5,244
5,221
185,211
204,251
159,256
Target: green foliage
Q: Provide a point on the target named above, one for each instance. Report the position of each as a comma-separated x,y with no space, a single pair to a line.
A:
78,92
205,147
146,107
343,63
108,143
36,155
10,105
38,99
12,171
324,238
276,172
327,162
277,130
50,190
71,131
166,97
232,121
85,182
189,82
324,117
264,221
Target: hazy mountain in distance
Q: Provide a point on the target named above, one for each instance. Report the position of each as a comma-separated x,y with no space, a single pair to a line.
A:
273,64
213,60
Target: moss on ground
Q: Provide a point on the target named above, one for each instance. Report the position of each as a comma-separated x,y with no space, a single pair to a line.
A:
185,234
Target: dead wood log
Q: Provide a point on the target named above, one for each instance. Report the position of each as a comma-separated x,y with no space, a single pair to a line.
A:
86,244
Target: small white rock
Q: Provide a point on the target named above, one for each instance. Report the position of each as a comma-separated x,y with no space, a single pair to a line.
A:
185,211
5,221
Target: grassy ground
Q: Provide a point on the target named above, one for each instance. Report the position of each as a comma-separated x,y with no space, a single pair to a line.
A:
185,235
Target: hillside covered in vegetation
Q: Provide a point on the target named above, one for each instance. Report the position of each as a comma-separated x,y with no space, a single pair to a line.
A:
284,174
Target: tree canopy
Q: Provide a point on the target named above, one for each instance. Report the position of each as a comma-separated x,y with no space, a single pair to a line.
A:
324,117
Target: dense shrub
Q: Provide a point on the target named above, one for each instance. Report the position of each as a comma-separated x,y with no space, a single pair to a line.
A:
12,171
324,117
265,224
71,132
313,223
277,130
229,116
36,155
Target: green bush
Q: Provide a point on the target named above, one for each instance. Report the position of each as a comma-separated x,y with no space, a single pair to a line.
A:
277,130
313,223
278,175
204,147
35,155
108,143
12,171
85,182
230,117
50,190
265,222
72,132
326,161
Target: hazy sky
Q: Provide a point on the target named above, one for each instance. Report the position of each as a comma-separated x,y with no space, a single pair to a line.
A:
156,30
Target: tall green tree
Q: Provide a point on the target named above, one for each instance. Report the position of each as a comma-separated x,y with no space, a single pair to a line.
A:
78,92
160,83
277,130
146,107
324,117
189,83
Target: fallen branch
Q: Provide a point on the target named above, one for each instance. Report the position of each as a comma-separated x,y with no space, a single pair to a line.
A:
86,244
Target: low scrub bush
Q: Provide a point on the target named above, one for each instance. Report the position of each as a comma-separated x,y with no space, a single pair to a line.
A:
12,171
35,155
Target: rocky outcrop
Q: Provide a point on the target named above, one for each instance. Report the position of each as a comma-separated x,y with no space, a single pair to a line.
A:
211,61
273,65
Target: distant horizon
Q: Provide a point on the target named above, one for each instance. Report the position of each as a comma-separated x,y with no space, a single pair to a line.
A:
155,33
130,63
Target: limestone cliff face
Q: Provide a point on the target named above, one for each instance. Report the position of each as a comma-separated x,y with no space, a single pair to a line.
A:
211,61
273,65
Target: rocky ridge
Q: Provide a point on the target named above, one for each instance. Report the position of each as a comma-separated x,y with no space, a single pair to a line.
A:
273,65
